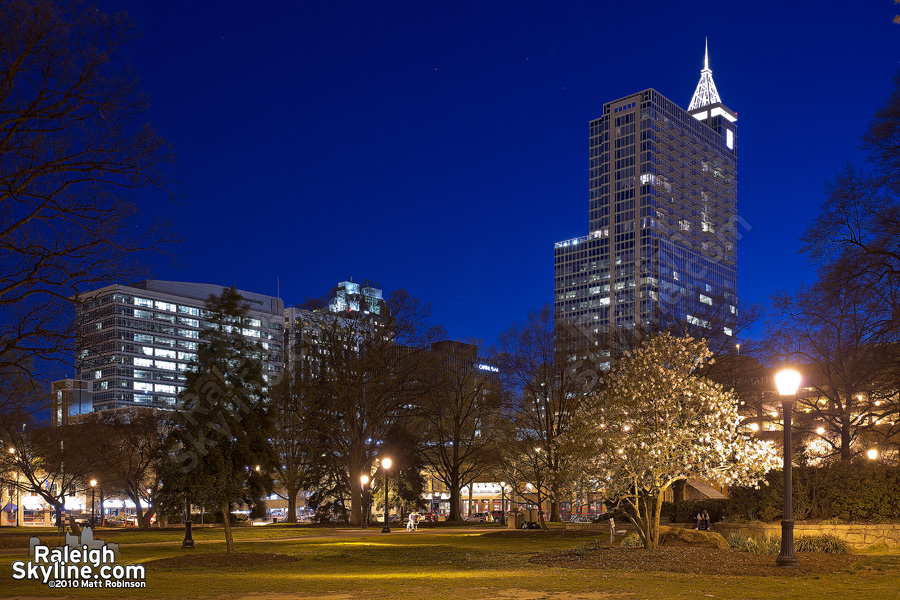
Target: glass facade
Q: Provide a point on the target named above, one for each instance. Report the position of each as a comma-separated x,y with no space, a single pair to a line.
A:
663,218
137,342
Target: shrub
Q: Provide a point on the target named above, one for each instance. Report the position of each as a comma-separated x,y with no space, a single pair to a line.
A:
878,547
632,540
259,510
772,545
860,491
821,543
755,545
686,512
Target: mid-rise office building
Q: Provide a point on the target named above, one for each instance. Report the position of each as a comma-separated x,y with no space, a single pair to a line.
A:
662,240
139,340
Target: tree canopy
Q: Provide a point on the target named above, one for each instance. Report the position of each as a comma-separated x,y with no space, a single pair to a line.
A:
73,151
657,421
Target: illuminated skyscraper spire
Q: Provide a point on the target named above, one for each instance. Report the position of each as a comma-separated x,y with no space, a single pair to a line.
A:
706,92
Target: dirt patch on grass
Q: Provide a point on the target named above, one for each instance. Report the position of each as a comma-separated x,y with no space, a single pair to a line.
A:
520,594
295,596
693,560
208,560
550,533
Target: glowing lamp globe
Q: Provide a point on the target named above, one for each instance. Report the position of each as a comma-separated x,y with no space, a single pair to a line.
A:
787,381
386,463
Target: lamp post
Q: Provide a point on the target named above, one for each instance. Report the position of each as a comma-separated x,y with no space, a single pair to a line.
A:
386,464
188,542
502,504
787,381
364,480
93,485
18,495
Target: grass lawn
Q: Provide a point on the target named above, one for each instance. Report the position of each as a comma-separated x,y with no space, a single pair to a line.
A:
338,565
14,538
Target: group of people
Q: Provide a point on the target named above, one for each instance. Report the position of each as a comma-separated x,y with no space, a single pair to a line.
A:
413,523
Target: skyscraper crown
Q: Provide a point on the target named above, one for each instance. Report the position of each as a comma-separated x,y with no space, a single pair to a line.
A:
706,92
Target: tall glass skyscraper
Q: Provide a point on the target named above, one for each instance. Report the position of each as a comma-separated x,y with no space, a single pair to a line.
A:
662,241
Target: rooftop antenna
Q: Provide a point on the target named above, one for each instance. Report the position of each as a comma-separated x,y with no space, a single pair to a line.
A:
706,56
706,92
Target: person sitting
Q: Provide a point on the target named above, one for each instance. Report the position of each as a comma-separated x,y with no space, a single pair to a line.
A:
702,520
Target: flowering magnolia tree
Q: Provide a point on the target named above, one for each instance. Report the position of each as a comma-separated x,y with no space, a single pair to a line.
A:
658,421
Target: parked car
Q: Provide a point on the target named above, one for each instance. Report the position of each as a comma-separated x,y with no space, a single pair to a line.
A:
479,517
430,517
379,518
497,515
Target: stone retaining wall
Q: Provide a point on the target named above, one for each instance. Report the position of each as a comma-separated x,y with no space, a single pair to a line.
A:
858,537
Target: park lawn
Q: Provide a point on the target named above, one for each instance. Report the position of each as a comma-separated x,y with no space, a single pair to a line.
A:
446,565
14,537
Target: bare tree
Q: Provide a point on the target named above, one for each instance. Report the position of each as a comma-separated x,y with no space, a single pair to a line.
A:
842,334
881,140
366,371
547,370
72,150
293,439
458,416
126,452
50,462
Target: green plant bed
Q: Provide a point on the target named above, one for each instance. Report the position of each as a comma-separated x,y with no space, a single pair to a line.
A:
772,545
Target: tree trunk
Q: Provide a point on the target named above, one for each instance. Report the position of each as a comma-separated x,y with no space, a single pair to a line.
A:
455,494
647,508
355,489
540,509
638,516
846,454
554,511
226,519
292,506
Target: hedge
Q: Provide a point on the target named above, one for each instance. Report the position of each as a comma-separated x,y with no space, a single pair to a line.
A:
857,491
212,518
686,511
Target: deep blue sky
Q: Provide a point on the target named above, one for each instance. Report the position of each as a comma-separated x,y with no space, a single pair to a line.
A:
442,147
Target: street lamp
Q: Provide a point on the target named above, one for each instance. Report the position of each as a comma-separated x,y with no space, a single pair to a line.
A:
502,504
386,464
93,485
364,480
787,381
188,542
18,494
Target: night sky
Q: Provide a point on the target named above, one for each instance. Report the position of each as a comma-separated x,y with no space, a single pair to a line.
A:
442,147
